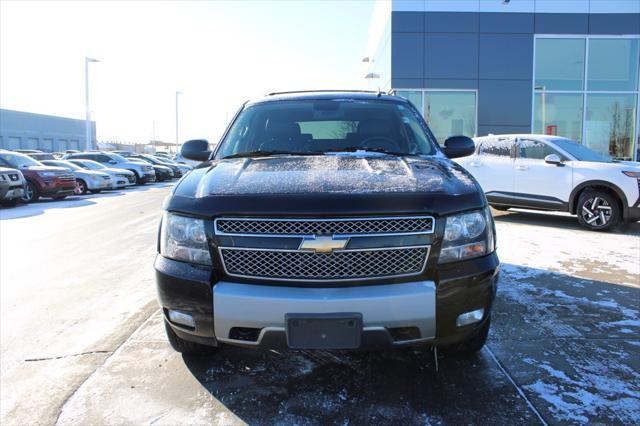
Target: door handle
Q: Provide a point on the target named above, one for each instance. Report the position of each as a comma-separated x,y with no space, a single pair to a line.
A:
522,167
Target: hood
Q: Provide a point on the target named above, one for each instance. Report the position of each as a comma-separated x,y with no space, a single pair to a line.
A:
119,171
44,168
344,184
85,172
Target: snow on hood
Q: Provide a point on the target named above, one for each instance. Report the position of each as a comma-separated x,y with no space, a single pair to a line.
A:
334,174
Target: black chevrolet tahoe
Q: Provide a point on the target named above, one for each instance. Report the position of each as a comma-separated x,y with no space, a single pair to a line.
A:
327,220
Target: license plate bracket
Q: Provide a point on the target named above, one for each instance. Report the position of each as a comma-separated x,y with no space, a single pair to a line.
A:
324,331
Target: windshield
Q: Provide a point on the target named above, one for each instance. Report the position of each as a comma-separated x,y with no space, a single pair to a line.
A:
118,158
581,152
19,160
320,126
93,165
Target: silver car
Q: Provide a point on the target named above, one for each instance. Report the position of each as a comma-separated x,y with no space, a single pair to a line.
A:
121,178
86,180
11,186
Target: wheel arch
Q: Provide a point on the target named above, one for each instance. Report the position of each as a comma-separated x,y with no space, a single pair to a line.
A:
602,186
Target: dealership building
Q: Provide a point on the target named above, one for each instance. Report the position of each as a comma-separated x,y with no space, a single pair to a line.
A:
474,67
48,133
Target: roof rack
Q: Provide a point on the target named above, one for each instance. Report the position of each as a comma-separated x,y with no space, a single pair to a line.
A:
324,91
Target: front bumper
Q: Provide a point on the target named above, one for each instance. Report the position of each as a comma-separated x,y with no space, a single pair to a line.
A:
99,184
10,192
426,308
633,214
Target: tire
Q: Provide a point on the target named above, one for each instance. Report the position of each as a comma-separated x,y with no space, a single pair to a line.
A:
31,194
95,191
81,187
598,210
138,181
471,345
184,346
500,208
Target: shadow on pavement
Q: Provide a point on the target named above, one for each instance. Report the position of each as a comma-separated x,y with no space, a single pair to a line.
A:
556,221
570,345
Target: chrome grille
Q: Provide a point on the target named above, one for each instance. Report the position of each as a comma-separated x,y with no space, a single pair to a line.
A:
338,265
347,226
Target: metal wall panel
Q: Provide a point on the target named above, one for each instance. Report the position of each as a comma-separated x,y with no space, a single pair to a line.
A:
506,23
506,56
451,56
504,103
407,22
451,22
407,55
441,83
561,23
614,23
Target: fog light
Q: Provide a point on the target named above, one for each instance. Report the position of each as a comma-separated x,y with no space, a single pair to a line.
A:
469,317
182,319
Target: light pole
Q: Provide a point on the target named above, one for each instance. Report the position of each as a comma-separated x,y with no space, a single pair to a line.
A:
88,142
177,134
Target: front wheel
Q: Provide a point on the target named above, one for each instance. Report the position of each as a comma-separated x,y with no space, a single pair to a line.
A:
184,346
81,187
31,194
472,344
598,210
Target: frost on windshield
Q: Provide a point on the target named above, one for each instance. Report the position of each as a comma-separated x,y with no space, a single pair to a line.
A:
334,174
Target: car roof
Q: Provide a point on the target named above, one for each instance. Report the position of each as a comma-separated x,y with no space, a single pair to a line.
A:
327,95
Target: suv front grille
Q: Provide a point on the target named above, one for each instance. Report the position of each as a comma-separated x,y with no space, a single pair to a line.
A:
338,265
363,255
302,227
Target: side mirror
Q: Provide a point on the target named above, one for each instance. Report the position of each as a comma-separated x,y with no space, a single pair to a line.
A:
553,159
459,146
196,149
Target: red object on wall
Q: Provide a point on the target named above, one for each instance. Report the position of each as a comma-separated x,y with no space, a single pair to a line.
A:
551,129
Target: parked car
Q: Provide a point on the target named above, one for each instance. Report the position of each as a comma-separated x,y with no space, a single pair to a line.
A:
177,170
41,156
11,186
554,173
327,221
184,168
143,172
120,177
41,180
86,180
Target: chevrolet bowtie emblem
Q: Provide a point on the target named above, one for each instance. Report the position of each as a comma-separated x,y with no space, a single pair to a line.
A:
323,244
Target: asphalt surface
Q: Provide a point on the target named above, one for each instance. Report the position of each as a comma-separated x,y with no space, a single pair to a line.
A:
82,339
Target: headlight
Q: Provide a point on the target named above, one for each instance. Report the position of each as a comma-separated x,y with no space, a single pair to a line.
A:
47,174
184,238
467,235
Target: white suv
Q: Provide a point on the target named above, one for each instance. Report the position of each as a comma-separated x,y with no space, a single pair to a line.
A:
555,173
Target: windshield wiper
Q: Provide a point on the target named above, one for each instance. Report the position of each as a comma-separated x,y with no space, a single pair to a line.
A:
264,153
376,150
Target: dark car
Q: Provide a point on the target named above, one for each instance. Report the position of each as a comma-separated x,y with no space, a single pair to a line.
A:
177,171
42,181
327,220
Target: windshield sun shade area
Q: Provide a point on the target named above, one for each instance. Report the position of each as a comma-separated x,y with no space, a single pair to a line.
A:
320,126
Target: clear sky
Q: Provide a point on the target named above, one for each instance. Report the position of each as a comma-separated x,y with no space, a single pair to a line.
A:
218,53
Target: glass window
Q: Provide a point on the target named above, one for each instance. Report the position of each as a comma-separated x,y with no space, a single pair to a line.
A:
535,150
413,96
559,63
558,114
613,65
581,152
500,148
19,160
313,126
450,113
610,124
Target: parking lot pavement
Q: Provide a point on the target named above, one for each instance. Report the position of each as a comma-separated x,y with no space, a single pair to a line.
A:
564,348
75,281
